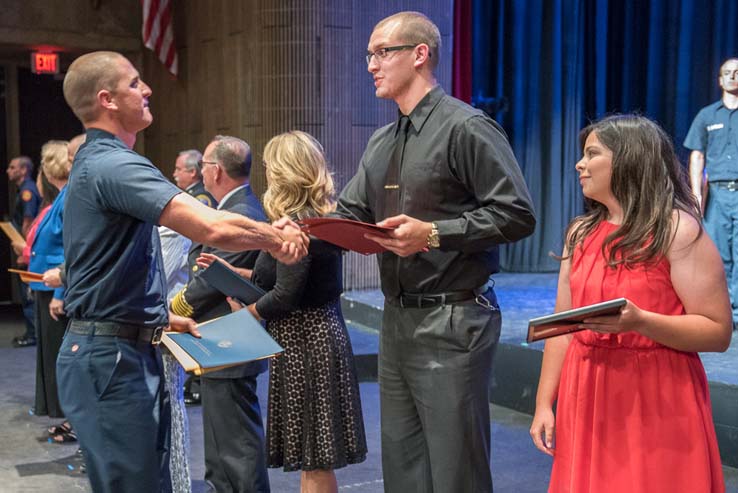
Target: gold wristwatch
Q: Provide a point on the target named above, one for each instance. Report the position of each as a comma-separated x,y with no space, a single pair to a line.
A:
434,241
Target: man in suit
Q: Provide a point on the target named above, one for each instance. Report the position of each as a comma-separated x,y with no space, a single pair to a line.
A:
234,433
188,176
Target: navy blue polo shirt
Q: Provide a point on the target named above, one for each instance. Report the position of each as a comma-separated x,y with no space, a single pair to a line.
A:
714,132
113,257
27,202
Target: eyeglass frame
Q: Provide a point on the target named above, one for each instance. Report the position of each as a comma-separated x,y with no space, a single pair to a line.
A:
201,162
386,50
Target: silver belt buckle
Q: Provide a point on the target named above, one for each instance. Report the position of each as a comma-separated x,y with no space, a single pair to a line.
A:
156,336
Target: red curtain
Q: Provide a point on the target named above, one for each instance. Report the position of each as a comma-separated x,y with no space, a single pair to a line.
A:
461,78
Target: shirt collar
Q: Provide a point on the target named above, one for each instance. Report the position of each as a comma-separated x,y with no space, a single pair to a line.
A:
192,186
229,195
419,115
721,104
98,133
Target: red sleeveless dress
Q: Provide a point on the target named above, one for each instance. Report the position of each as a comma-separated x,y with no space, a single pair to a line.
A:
632,415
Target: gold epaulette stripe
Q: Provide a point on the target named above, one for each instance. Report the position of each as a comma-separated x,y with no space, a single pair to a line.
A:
180,305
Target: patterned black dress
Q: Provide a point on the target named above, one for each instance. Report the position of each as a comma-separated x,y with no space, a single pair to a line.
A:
314,418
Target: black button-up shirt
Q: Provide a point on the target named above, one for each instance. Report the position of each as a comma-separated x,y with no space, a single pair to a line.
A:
458,171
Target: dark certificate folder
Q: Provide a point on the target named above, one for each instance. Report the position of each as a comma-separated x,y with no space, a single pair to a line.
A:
567,321
227,341
231,284
346,233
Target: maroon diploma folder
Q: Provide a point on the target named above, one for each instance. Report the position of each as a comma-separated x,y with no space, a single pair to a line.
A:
346,233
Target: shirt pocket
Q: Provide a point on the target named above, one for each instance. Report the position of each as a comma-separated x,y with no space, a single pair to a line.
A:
716,137
422,186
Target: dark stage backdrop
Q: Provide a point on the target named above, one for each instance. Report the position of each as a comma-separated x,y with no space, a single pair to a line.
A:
547,67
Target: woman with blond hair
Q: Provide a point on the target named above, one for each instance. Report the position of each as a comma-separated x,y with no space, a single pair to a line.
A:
47,251
314,420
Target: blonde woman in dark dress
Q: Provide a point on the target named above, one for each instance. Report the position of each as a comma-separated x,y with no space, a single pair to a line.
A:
314,420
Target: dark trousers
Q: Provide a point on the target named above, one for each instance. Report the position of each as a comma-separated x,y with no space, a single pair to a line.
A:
235,451
26,300
50,333
434,370
112,391
721,224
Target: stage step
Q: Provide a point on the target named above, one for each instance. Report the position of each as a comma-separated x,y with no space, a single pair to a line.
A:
517,364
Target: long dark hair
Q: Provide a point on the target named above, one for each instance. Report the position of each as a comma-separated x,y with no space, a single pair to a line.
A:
649,183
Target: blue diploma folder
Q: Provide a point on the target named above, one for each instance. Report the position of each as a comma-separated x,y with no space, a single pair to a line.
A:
231,284
227,341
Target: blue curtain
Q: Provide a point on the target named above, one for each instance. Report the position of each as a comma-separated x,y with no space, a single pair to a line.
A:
551,66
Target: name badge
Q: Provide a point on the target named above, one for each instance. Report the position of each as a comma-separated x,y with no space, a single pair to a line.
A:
715,126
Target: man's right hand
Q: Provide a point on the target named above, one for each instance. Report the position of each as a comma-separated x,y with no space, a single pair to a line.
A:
294,242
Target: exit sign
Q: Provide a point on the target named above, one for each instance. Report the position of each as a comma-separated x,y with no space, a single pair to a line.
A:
44,63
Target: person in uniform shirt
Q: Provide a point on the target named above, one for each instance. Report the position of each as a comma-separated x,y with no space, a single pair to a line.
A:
444,176
713,172
27,200
188,176
109,368
27,206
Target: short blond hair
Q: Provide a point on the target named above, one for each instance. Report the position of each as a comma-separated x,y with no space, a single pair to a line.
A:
88,75
416,28
55,159
299,182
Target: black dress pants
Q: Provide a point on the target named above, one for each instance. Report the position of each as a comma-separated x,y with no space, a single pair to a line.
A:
50,333
235,451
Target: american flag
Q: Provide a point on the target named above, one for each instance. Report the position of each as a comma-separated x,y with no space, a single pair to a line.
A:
158,33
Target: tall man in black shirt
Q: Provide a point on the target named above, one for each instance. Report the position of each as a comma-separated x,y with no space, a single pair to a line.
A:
445,176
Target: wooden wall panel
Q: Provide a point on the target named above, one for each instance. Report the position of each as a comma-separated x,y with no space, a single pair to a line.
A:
255,68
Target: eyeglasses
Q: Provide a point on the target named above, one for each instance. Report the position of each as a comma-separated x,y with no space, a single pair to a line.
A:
382,53
201,162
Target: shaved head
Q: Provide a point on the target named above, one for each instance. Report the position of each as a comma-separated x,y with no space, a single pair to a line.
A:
88,75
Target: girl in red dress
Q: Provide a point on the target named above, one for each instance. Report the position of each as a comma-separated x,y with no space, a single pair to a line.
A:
632,402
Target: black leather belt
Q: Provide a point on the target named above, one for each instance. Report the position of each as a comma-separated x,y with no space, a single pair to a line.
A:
731,185
408,300
113,329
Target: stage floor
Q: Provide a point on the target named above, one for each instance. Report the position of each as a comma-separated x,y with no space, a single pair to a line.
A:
29,463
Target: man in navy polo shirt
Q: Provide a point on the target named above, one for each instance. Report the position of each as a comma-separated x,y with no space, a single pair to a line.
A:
109,368
28,200
713,139
27,205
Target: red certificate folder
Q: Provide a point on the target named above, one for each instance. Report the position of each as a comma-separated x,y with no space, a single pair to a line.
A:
566,322
346,233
